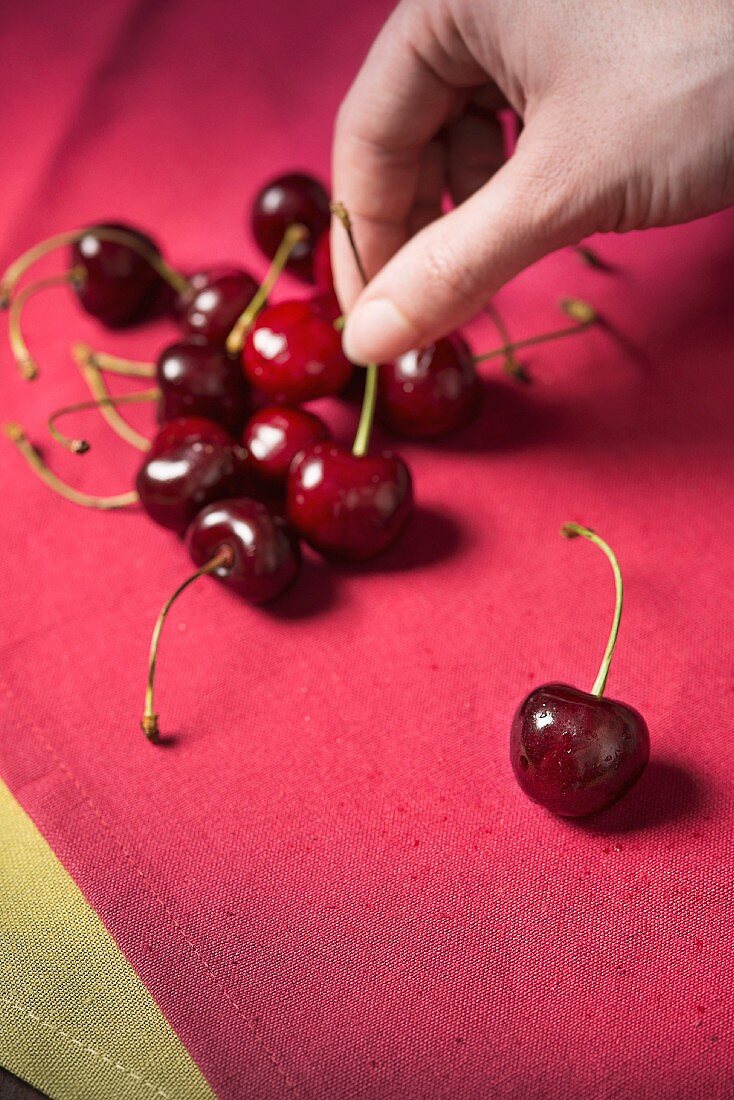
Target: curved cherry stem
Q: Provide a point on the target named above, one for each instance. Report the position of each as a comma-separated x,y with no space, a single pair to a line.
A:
81,446
112,364
223,559
292,236
115,236
24,360
581,312
19,439
369,400
576,530
107,406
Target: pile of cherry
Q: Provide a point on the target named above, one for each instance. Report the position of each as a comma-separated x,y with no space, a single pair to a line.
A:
238,468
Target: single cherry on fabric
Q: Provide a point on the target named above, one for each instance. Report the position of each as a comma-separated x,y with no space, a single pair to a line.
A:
293,353
274,437
576,752
288,200
197,378
120,285
430,391
249,549
191,463
213,300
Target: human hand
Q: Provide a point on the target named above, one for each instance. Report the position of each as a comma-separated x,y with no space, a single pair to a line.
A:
628,111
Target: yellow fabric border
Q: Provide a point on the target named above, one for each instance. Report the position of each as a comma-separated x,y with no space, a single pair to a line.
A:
75,1019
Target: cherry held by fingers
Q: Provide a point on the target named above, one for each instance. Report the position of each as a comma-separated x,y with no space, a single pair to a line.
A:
192,462
197,378
430,391
577,752
247,548
274,436
289,200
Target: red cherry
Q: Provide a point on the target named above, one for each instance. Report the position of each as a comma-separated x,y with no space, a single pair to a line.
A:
293,353
265,552
347,506
289,200
119,287
573,751
576,753
213,300
431,391
274,436
197,379
191,463
323,276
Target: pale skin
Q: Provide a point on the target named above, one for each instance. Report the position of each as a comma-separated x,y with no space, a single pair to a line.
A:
628,123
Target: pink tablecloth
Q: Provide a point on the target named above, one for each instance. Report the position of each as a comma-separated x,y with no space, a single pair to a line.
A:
328,879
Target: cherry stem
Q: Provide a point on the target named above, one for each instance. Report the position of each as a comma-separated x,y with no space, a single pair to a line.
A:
223,559
510,365
369,400
81,446
116,236
292,236
584,315
590,258
572,531
24,360
18,438
106,405
112,364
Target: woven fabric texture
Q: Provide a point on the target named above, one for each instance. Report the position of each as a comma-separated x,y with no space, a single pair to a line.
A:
327,878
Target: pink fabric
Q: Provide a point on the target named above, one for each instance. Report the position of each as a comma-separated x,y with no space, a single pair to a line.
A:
329,880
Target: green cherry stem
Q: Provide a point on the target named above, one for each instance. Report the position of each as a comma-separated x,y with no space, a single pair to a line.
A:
369,400
575,530
582,314
81,446
292,236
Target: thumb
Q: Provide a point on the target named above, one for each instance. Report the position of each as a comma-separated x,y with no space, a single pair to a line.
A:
446,273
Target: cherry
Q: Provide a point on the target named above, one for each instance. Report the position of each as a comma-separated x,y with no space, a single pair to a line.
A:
430,391
213,300
323,275
120,285
246,547
199,379
348,506
274,436
288,200
573,751
191,463
265,553
293,353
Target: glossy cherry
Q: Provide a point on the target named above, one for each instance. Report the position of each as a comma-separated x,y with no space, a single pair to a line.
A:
576,752
430,391
289,200
265,552
293,353
198,379
191,463
119,286
349,506
274,436
213,300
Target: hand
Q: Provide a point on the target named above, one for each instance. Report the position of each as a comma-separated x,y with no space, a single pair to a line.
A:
628,111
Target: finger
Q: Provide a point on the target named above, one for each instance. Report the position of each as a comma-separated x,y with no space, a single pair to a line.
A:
397,104
447,272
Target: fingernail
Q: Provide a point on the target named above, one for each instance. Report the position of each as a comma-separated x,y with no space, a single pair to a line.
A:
376,332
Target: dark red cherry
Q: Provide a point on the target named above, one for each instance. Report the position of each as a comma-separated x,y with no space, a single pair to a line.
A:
293,353
213,301
431,391
346,506
576,753
265,551
323,276
273,437
191,463
120,287
289,200
198,379
326,303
